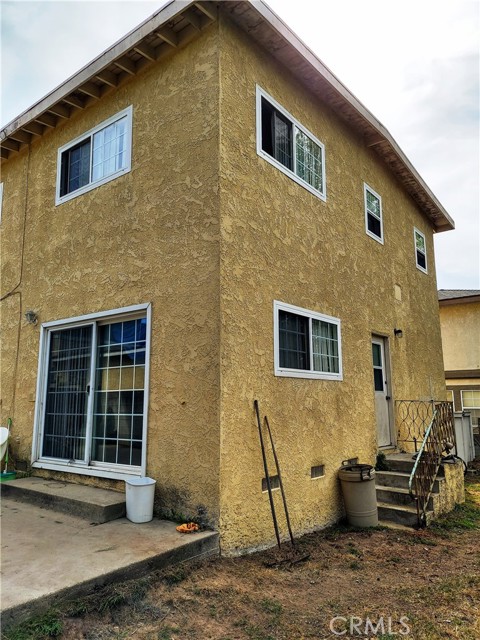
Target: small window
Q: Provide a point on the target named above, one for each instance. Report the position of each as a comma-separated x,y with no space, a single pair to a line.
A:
471,399
102,154
420,250
274,483
307,344
290,147
318,471
373,214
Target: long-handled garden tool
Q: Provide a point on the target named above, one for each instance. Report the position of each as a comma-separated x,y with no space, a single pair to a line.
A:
291,559
267,474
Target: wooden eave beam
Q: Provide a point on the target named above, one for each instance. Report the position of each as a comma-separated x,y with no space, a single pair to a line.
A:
126,65
21,136
108,77
193,19
168,35
4,153
47,119
373,139
34,128
207,8
90,89
146,51
60,110
10,144
74,101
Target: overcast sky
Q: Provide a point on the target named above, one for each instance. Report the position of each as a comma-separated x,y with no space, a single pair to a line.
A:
414,64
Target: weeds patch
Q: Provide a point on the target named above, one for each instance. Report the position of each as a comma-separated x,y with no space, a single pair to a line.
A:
42,627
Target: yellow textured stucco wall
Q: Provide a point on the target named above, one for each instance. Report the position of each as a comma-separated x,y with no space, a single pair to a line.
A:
460,327
211,234
151,235
280,242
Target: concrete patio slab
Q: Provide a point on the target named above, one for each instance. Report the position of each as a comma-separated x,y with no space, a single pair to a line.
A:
96,505
49,556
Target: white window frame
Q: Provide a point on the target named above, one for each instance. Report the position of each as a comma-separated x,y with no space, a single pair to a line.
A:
93,184
260,93
117,471
303,373
367,188
451,397
420,233
469,408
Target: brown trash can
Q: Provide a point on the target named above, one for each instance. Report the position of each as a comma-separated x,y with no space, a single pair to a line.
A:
359,494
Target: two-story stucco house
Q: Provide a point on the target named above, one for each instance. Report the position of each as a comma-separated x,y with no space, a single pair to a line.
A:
203,216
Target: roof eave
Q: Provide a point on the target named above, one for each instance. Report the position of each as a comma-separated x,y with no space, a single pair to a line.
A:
96,78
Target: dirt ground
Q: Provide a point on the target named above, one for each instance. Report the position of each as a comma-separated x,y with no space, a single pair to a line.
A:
387,584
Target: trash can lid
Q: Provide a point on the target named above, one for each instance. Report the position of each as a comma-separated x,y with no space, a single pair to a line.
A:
356,467
140,482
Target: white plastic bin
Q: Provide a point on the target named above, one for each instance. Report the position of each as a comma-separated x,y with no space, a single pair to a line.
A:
139,497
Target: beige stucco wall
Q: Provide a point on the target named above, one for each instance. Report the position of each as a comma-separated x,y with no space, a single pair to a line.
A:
460,327
151,235
453,489
211,234
279,242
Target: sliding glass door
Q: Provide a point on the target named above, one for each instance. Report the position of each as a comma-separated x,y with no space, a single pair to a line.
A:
94,393
65,424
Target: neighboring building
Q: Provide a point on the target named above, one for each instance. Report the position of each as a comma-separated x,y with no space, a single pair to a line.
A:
201,217
460,327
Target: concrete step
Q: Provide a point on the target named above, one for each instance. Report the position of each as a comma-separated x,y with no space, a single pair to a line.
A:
397,495
393,525
404,462
400,514
93,504
398,479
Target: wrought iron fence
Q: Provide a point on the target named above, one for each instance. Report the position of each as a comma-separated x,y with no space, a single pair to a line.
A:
439,436
412,419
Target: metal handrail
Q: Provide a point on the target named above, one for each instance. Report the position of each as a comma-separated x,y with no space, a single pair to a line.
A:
418,456
439,433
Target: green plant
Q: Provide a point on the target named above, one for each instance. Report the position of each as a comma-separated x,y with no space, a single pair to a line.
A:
382,462
271,606
49,625
112,600
176,575
465,517
166,633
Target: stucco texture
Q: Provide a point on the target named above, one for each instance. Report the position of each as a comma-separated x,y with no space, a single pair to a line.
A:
453,489
211,234
280,242
460,326
151,235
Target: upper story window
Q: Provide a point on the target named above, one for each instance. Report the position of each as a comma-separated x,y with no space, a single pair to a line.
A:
470,399
283,142
373,213
100,155
307,344
420,250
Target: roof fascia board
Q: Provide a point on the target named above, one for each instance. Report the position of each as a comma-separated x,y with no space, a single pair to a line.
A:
446,302
287,34
101,62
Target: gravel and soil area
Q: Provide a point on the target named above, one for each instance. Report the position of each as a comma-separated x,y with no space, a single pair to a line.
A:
389,584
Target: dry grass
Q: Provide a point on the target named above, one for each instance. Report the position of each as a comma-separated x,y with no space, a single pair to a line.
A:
431,577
